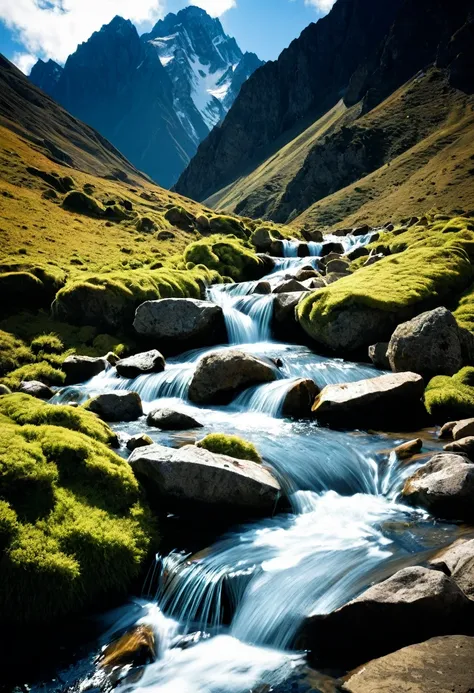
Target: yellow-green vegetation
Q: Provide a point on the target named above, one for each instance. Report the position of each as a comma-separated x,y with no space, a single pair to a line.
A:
233,446
448,399
464,310
227,255
23,409
42,371
429,267
111,299
73,529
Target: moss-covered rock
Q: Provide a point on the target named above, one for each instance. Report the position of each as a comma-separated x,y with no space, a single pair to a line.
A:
80,203
366,306
24,410
226,226
28,286
42,371
110,300
263,237
228,256
70,511
233,446
13,352
450,399
47,343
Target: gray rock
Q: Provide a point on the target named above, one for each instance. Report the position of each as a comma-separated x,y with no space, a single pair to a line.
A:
332,277
387,399
304,274
116,406
4,390
221,375
463,429
139,441
361,230
78,369
444,486
463,446
36,389
446,431
299,399
183,320
290,286
312,235
146,362
263,288
170,420
413,605
191,475
378,355
428,344
439,665
338,266
457,561
330,257
332,247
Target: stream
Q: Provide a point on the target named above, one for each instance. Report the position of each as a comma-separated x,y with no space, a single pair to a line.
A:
244,597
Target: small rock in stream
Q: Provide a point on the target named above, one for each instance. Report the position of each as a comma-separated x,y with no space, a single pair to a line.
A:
139,441
116,406
141,364
171,420
409,449
36,389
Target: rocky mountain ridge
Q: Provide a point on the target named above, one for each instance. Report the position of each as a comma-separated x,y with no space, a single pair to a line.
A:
157,96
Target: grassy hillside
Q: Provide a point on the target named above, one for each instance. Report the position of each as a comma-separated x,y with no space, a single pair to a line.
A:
411,153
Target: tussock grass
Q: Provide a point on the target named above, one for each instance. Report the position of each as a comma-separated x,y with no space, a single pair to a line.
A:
448,399
227,255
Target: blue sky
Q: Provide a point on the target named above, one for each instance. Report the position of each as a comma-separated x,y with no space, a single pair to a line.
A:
52,28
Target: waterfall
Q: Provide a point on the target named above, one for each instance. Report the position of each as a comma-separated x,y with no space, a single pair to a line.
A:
247,316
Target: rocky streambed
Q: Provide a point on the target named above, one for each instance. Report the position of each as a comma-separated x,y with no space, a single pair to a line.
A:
309,559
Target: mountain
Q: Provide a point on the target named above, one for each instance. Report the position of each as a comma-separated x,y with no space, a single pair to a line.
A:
358,93
154,97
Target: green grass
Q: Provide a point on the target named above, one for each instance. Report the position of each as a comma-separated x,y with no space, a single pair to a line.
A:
72,526
42,371
448,399
23,409
233,446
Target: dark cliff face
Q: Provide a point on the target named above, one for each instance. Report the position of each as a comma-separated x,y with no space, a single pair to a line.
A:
309,77
46,75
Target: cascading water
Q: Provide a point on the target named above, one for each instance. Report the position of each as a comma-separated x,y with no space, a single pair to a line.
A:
246,596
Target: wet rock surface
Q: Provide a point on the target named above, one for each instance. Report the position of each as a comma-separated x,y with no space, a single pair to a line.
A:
116,406
78,369
171,420
36,389
141,364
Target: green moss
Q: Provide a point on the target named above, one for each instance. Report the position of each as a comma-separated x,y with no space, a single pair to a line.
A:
13,353
104,343
72,526
42,371
448,399
110,300
464,309
230,445
228,256
80,203
226,225
23,409
385,293
47,343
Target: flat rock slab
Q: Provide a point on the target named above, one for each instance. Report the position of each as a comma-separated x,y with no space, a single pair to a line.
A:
370,402
193,475
439,665
444,486
140,364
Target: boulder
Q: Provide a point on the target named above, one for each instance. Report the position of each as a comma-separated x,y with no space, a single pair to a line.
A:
170,420
361,230
139,441
312,236
413,605
4,390
444,486
330,257
463,446
303,250
463,429
299,399
378,355
305,273
135,648
263,288
36,389
446,431
202,221
146,362
193,476
457,562
428,344
356,253
177,216
289,286
332,247
388,399
112,358
116,406
78,369
408,449
332,277
338,266
188,322
221,375
439,665
316,283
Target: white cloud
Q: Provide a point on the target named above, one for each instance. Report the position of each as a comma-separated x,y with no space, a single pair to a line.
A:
215,8
24,61
54,28
321,5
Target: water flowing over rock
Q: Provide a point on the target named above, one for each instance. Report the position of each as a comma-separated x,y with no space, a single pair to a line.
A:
388,399
170,420
116,406
290,286
436,666
135,648
221,375
78,369
444,486
36,389
194,476
186,322
140,364
299,399
413,605
428,344
457,561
